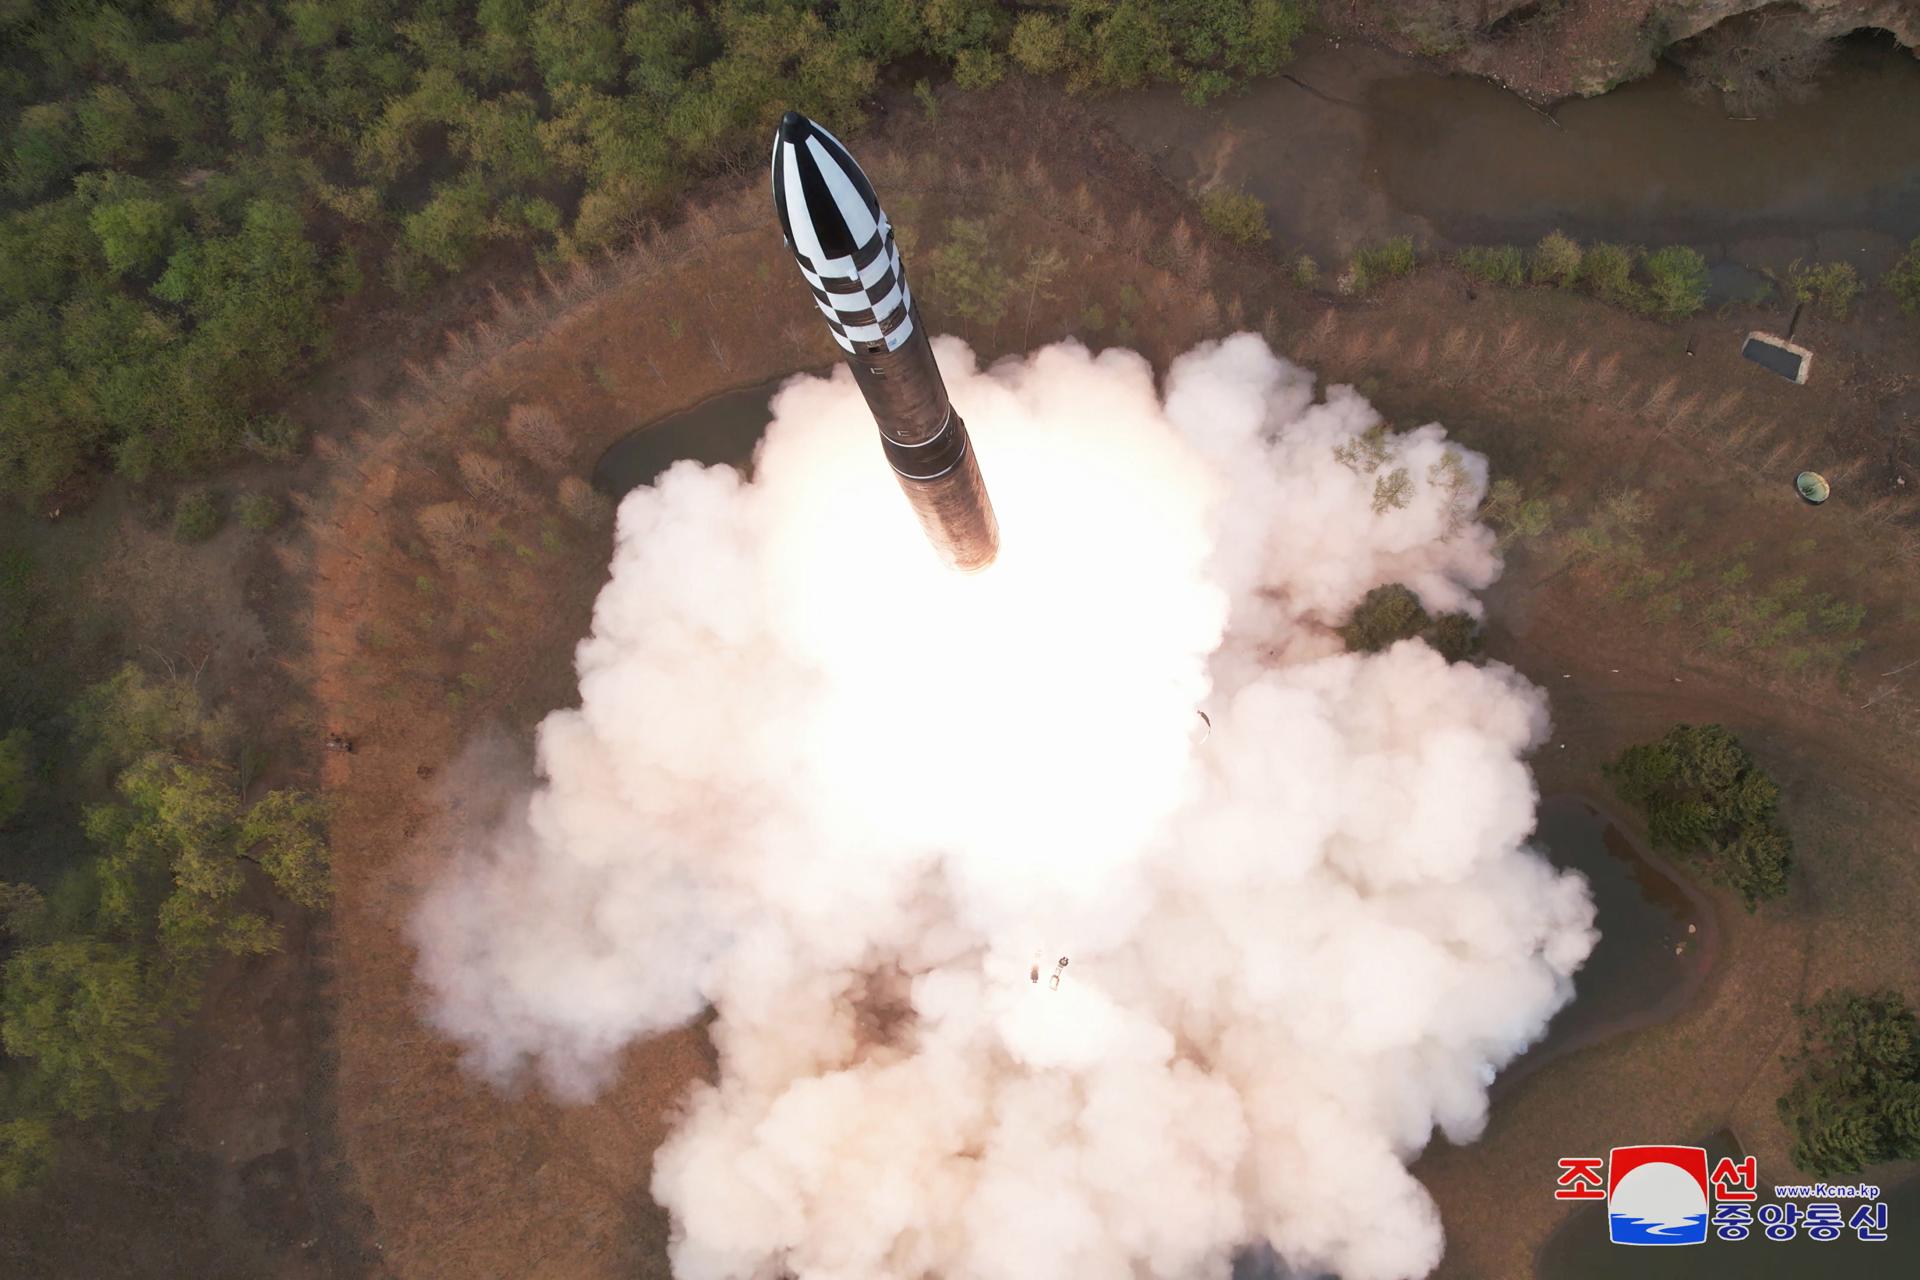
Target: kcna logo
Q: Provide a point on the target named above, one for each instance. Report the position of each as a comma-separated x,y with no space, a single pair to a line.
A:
1654,1194
1657,1195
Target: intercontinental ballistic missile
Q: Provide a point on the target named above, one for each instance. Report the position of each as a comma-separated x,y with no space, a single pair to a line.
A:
844,244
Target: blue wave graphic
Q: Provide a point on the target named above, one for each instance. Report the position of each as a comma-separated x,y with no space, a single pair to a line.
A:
1627,1230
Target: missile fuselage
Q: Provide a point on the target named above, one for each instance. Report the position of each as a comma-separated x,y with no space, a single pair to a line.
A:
844,245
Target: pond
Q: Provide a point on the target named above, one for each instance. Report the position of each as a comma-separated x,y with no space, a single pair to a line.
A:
1657,936
723,430
1353,144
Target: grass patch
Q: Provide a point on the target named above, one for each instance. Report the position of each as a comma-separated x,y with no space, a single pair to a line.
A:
1376,264
1496,264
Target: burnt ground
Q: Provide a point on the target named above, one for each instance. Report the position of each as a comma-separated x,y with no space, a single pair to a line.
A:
439,573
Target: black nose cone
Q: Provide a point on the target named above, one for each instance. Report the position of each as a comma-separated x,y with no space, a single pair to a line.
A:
793,127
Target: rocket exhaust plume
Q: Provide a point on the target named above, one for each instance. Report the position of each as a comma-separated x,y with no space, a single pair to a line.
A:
1301,944
844,246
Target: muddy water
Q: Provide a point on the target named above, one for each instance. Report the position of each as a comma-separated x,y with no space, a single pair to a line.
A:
1579,1250
1652,162
723,430
1355,145
1657,935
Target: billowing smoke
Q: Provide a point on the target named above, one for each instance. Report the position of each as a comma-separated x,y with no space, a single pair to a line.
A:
855,802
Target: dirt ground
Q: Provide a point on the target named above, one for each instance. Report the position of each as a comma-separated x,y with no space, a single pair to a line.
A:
445,559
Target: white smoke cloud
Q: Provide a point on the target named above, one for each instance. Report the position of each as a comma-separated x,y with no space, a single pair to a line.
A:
849,799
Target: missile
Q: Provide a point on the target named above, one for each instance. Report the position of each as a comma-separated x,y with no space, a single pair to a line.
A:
844,245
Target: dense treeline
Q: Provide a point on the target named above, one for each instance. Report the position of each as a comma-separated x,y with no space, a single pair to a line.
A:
99,968
187,185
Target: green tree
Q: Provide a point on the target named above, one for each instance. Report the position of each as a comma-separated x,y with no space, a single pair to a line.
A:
1240,217
1677,279
135,233
1556,261
45,149
1904,279
1038,44
113,129
1829,287
129,715
1515,518
1606,271
967,271
1856,1098
1705,799
1387,615
577,42
1384,617
285,833
84,1015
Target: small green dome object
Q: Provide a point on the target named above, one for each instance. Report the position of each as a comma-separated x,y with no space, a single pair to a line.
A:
1812,486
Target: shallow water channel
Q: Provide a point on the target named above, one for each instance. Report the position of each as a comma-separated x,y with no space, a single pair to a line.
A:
1353,145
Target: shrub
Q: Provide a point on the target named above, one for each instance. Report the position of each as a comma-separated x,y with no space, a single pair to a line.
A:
978,69
1496,264
1390,614
1372,265
1828,287
1240,217
1556,261
196,517
1606,271
274,436
1038,43
1854,1102
1904,279
1706,801
257,511
1677,281
1306,272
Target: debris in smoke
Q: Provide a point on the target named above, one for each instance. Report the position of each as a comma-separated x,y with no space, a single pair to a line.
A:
1306,948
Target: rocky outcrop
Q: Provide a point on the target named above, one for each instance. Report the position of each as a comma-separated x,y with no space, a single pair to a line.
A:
1551,49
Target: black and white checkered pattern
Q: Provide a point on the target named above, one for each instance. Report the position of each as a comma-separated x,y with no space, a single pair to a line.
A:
841,238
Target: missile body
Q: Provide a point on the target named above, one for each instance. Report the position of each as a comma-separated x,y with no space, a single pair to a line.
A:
844,245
